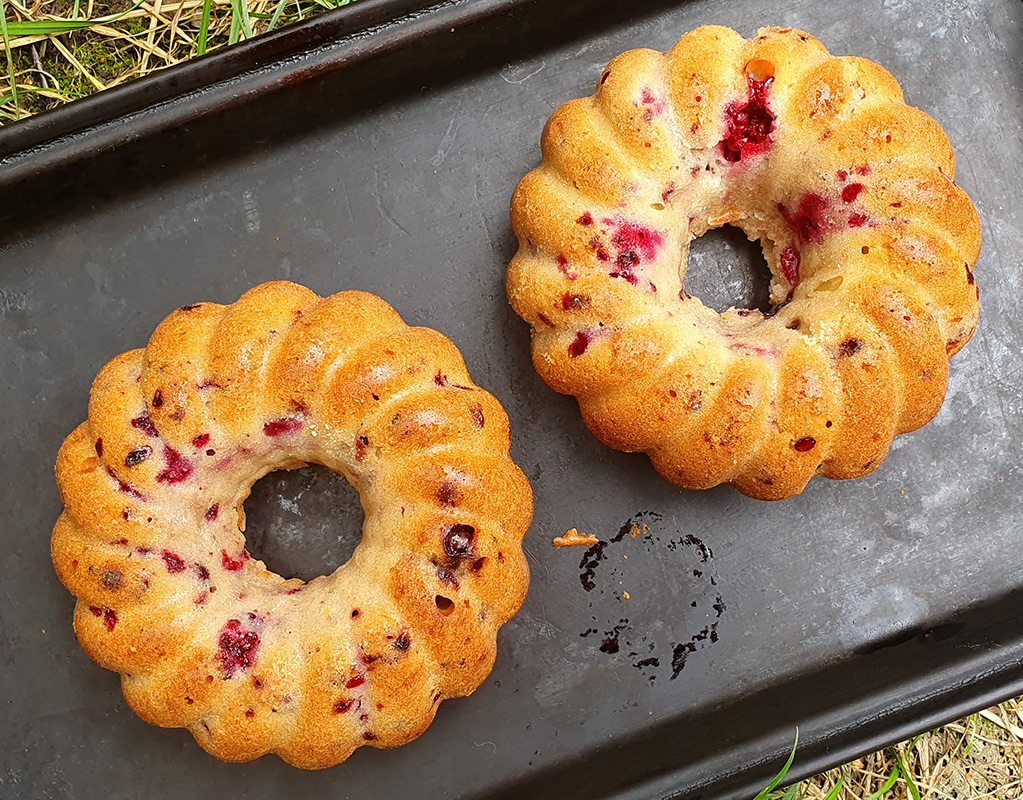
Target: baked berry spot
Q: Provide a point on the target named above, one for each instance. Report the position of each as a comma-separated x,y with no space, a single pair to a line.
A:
403,642
137,456
157,399
237,647
212,512
459,540
361,445
341,706
125,487
111,579
574,302
173,562
586,219
476,413
234,564
178,468
632,237
809,221
849,347
804,444
851,192
447,495
279,427
108,614
788,263
355,680
578,347
145,424
201,440
748,125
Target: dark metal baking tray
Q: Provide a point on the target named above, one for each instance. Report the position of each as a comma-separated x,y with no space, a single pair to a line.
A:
377,148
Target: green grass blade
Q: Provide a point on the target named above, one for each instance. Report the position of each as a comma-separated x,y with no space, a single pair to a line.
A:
240,14
236,24
781,774
833,794
277,14
55,27
204,27
893,776
910,784
10,58
792,793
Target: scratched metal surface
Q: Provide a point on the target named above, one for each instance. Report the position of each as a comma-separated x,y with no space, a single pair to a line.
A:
409,200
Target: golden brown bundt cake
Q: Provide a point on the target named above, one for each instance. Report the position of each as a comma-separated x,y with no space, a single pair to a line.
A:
851,194
204,635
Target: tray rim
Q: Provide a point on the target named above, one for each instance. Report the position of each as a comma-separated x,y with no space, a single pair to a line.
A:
991,671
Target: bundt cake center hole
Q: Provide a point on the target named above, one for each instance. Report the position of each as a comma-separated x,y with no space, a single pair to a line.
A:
303,523
726,270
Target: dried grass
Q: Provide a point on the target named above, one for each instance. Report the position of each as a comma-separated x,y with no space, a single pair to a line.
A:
60,50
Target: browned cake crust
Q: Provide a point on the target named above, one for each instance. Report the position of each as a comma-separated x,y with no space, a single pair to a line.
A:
851,194
205,636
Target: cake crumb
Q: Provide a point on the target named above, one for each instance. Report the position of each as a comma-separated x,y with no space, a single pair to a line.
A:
639,530
625,595
573,538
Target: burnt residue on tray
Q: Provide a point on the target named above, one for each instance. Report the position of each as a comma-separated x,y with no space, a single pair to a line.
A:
656,638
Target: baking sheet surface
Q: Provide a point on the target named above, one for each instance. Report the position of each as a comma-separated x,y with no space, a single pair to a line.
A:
409,200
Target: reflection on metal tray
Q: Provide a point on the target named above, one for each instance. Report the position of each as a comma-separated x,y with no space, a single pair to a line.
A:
350,153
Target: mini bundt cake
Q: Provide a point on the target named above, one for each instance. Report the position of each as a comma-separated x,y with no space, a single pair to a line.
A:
204,635
850,192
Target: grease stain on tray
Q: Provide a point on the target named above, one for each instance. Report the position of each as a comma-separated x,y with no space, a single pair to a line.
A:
629,576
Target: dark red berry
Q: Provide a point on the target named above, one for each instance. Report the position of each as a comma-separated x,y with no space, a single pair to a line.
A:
748,125
233,564
279,427
201,440
157,399
788,263
173,561
178,468
108,614
459,540
145,424
851,192
341,706
585,219
403,642
804,444
137,456
237,647
355,680
212,512
361,445
476,413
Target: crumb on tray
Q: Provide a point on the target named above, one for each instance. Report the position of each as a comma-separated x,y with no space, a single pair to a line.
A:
573,538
